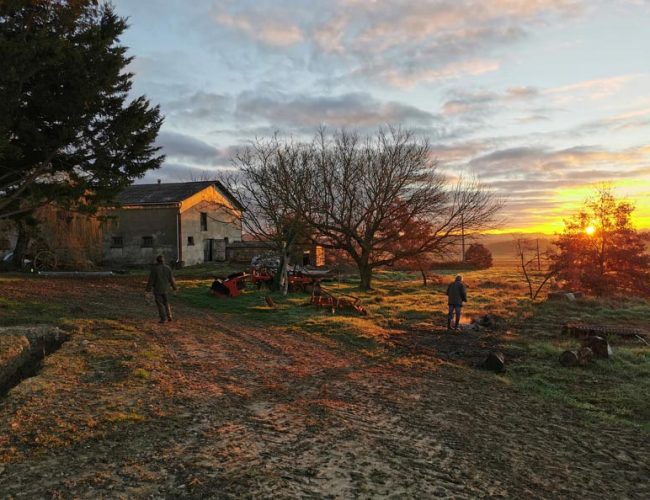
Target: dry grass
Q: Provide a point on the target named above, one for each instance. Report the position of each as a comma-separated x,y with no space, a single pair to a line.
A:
240,398
399,304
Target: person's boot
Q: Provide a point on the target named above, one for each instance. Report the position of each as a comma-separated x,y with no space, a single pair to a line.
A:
448,324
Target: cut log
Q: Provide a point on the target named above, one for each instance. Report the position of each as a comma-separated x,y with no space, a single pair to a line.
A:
582,357
599,346
569,358
495,362
488,321
585,355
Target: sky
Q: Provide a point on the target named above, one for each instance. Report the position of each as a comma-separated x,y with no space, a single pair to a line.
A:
541,100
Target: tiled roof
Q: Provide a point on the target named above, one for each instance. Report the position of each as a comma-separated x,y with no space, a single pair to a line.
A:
175,192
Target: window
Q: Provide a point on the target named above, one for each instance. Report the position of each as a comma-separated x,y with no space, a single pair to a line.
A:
117,242
147,241
190,241
204,221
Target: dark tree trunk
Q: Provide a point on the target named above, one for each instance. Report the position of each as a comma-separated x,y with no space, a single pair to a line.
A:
424,277
281,280
365,273
22,244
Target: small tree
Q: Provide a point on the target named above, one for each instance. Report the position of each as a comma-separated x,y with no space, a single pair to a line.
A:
478,256
268,171
535,278
600,251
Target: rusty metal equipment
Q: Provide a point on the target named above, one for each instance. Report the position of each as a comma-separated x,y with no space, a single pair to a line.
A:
298,281
322,298
230,286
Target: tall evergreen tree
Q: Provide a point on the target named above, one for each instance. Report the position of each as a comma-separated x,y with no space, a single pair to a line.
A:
69,131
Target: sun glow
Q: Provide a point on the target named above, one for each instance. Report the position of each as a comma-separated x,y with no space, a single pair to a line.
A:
590,230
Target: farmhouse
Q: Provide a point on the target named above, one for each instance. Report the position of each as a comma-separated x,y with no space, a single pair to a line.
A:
189,223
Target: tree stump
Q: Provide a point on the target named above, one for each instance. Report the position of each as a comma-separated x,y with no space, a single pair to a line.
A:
599,346
569,358
580,357
496,362
585,355
269,302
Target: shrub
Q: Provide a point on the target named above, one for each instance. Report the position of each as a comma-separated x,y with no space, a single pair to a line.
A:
478,256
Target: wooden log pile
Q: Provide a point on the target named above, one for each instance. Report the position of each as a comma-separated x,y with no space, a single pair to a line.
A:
584,330
592,347
579,357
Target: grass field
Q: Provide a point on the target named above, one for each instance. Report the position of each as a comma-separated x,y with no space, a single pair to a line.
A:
606,389
236,398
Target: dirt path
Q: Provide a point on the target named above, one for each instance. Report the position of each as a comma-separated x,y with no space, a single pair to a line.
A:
205,409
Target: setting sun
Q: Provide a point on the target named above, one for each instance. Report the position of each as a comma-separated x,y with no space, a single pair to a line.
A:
590,230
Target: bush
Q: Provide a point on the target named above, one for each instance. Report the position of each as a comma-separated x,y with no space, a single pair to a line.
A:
478,256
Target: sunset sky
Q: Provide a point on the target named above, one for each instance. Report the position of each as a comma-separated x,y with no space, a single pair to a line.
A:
540,99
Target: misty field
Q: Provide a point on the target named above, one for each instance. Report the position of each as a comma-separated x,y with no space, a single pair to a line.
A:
237,399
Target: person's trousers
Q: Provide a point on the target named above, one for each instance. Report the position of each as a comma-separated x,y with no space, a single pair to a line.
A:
454,308
164,309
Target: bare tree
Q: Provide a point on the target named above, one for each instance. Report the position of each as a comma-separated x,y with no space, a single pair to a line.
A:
269,171
532,277
381,199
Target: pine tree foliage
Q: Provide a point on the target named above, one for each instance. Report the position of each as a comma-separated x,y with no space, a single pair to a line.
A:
69,129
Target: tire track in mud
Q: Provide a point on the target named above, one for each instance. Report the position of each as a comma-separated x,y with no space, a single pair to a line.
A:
367,436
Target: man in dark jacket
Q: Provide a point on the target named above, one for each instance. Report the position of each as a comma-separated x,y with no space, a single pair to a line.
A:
160,282
457,294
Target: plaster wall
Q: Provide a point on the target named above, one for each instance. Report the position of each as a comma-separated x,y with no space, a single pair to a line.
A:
222,223
132,225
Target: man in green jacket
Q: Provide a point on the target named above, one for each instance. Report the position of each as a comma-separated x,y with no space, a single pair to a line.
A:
456,294
160,282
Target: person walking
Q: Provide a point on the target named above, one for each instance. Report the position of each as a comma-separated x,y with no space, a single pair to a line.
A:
161,280
456,295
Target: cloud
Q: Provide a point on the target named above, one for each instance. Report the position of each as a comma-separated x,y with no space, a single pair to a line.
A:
190,152
478,102
263,30
536,162
407,78
199,106
401,43
359,110
621,122
260,112
174,172
594,89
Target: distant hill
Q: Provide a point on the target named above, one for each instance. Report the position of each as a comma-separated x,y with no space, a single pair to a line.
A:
503,246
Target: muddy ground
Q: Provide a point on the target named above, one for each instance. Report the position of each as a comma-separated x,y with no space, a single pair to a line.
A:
204,408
